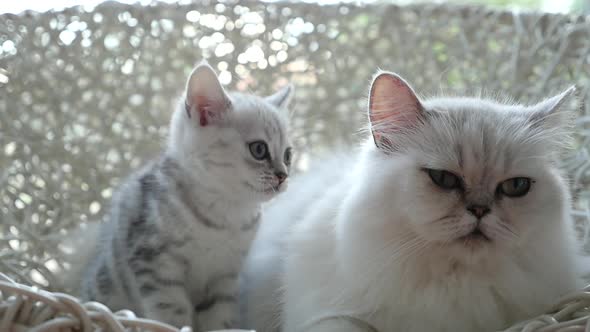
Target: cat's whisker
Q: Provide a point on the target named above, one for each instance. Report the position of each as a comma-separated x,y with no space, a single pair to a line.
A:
404,251
509,229
376,262
448,229
382,262
504,231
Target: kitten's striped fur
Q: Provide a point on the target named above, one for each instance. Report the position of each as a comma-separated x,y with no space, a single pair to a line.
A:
179,228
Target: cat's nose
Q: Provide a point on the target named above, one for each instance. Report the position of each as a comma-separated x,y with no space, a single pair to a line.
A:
281,176
478,210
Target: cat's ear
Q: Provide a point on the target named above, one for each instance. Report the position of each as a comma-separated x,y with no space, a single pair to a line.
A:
555,112
281,98
393,108
205,98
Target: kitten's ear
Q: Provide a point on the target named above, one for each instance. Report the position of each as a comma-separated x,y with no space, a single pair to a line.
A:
393,108
281,98
554,112
205,96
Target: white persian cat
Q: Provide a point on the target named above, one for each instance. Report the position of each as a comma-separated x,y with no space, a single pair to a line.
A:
454,216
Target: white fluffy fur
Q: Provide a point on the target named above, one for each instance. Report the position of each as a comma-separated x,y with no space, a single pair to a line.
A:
179,228
370,236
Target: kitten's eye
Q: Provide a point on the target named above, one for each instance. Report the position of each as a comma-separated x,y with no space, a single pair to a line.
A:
515,187
259,150
288,155
444,179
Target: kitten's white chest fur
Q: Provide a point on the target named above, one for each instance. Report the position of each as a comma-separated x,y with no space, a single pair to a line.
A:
220,250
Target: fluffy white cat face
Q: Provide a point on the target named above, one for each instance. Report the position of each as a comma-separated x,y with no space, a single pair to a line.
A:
465,175
238,142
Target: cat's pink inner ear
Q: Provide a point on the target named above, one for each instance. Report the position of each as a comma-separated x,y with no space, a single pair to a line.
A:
205,95
393,106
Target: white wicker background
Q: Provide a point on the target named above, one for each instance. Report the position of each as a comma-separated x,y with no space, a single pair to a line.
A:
85,96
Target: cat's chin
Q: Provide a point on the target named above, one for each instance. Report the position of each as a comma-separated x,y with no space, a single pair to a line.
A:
475,237
472,250
473,241
269,192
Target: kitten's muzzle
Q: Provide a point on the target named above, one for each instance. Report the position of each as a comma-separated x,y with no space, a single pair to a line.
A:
281,176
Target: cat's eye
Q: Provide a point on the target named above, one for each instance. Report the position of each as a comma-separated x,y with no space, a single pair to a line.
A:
515,187
288,155
259,150
444,179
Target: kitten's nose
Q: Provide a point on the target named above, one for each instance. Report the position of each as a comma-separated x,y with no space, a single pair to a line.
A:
478,210
281,176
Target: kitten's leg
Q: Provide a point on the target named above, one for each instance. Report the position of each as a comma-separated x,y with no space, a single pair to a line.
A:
167,303
219,310
161,285
98,284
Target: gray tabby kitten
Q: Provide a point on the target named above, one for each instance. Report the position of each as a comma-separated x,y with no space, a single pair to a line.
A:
180,227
